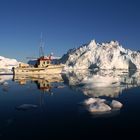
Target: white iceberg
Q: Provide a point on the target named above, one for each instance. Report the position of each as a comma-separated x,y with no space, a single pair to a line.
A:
99,107
93,100
89,101
6,64
101,56
116,104
5,83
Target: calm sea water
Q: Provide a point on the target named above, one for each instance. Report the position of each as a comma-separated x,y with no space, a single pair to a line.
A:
58,111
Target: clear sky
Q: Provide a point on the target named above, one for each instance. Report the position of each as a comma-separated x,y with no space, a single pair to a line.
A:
66,24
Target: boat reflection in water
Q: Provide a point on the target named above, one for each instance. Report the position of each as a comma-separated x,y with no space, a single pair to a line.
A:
44,82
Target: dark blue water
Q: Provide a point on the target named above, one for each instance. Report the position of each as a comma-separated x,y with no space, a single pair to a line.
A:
59,113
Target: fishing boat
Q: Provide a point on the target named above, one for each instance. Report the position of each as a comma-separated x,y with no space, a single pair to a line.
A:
43,66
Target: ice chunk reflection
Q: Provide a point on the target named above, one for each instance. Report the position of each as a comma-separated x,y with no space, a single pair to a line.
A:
4,82
5,78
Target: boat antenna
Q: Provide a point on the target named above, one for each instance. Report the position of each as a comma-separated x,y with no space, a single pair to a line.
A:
41,51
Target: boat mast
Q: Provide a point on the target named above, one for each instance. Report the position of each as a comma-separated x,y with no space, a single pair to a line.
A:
41,51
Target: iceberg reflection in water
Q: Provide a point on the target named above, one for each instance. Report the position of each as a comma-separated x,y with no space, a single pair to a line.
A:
103,82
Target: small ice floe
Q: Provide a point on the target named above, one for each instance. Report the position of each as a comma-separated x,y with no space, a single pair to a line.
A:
99,108
60,86
26,107
4,83
93,100
89,101
97,105
116,104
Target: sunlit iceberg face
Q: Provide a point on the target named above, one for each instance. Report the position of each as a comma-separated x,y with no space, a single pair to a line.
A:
110,55
103,82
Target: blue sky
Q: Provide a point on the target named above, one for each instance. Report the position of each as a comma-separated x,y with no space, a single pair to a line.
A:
66,24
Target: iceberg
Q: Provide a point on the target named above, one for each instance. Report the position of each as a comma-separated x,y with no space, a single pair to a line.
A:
110,55
97,105
6,65
99,108
116,104
93,100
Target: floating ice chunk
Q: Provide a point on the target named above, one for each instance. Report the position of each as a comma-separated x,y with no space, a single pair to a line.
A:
60,86
90,101
99,107
93,100
116,104
5,83
26,107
